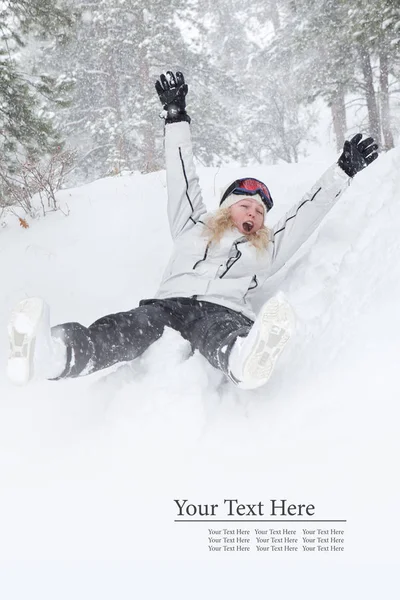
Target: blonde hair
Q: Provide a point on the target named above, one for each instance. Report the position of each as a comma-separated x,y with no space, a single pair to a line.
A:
222,221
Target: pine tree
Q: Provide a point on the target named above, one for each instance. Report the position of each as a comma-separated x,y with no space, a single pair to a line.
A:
24,126
336,47
279,123
375,29
312,33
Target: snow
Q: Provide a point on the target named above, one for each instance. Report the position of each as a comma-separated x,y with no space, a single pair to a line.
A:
89,467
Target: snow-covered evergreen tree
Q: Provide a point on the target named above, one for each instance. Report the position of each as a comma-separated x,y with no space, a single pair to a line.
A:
25,124
340,48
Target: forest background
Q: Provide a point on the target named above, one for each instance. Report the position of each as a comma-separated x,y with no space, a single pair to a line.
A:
77,98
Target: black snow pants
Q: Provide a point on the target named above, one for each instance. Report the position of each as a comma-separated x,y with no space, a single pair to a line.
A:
210,328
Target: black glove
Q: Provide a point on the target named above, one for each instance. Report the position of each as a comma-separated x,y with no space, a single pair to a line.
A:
357,154
172,91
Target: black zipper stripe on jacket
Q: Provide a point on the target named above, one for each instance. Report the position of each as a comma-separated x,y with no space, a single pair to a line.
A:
296,213
187,185
204,257
254,286
239,254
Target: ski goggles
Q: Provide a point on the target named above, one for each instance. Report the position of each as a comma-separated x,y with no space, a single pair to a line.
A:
249,187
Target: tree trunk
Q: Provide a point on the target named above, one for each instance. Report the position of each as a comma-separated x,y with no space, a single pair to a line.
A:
384,100
372,105
148,162
114,99
338,110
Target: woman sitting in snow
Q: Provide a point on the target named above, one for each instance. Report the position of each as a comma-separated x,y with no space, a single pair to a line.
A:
218,262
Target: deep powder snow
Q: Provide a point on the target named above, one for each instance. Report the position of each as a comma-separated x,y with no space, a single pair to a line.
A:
88,465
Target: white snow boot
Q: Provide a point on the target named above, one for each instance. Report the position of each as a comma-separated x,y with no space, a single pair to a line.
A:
33,352
252,359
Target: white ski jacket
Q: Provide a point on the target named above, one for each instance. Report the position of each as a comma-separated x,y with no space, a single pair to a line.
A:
229,272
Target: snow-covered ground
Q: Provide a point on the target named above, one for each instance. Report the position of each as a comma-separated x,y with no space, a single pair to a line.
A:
89,467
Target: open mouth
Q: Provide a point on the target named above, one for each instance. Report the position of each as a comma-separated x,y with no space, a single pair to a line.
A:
248,226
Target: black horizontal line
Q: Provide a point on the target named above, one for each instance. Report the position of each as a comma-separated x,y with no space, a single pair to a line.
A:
260,520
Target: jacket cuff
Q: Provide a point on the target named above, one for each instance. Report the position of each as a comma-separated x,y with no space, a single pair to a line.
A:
177,133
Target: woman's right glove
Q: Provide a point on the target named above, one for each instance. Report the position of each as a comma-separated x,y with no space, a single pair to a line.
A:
357,154
172,90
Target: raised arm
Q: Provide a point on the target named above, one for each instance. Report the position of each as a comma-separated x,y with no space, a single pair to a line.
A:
185,203
302,219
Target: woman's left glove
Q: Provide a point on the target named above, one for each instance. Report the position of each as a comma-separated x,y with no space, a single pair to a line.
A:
172,90
357,154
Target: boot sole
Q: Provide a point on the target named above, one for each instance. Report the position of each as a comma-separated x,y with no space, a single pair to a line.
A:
276,325
22,329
